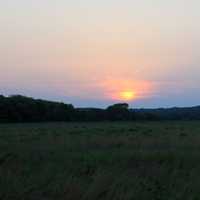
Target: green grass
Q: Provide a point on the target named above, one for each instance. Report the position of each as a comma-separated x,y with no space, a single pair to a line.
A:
100,161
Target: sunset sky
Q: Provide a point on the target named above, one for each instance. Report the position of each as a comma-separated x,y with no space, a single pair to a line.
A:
98,52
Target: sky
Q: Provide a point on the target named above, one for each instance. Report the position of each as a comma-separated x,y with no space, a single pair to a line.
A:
96,53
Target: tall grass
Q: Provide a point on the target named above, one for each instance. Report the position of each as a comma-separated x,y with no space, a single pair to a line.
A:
100,161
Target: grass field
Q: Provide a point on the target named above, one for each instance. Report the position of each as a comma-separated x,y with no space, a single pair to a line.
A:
100,161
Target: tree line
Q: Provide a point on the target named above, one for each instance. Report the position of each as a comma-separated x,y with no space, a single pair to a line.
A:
17,108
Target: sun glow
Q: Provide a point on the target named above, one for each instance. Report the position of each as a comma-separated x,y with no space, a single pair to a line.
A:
127,95
127,90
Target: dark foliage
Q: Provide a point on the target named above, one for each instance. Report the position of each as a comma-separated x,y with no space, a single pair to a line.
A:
19,108
118,112
187,113
90,114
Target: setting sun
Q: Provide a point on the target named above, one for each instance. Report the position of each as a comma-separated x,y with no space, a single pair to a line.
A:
127,95
126,89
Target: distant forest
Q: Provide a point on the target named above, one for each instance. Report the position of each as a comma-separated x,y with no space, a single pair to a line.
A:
19,108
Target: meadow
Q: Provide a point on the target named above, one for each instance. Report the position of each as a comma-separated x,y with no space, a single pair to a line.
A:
100,161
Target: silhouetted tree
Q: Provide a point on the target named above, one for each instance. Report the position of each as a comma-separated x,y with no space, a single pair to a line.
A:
19,108
118,111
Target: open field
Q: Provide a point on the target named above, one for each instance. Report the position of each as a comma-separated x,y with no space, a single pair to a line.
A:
100,161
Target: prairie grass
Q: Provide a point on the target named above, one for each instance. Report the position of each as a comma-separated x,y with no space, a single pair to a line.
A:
100,161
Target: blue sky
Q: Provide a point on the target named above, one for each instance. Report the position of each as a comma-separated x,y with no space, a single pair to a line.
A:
88,52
